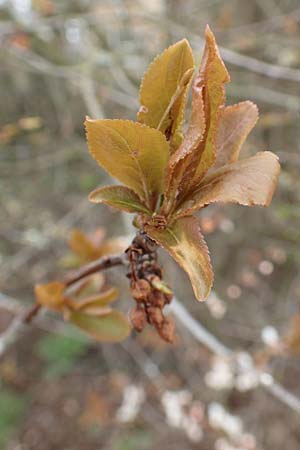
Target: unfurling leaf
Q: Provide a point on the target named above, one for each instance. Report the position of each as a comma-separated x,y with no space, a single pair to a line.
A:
182,163
213,76
197,152
50,295
249,182
185,243
112,327
119,197
163,90
133,153
236,122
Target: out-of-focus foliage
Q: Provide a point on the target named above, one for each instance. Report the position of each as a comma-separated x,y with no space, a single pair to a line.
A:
87,305
60,353
11,409
87,247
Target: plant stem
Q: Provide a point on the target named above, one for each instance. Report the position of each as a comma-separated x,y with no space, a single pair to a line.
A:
103,263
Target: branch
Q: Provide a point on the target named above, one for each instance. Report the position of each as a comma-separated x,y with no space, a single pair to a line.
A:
237,59
103,263
17,325
202,335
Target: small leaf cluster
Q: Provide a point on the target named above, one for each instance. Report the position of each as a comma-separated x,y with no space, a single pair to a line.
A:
86,247
87,305
168,175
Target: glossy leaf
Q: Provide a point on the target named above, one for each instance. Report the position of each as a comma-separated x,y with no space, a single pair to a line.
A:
236,122
213,75
119,197
133,153
50,294
185,243
251,181
112,327
163,89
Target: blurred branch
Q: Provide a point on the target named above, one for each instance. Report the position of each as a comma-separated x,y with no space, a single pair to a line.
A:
88,90
36,63
265,25
52,230
17,325
194,327
261,93
24,317
202,335
246,62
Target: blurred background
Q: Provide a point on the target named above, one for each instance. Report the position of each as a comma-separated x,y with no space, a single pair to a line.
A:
62,60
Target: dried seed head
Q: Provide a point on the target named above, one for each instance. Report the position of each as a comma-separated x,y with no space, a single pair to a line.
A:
140,290
167,330
158,299
168,298
138,318
155,316
153,278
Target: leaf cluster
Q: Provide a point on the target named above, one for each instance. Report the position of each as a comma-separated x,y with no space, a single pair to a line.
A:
87,304
168,175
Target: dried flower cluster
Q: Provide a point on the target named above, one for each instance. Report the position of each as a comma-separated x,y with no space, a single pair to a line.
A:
148,289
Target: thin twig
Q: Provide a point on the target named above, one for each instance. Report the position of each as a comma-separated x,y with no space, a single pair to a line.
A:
103,263
16,326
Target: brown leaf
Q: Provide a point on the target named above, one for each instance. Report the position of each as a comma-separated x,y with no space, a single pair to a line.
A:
185,243
131,152
119,197
82,246
50,295
251,181
236,122
213,75
181,167
163,90
197,151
